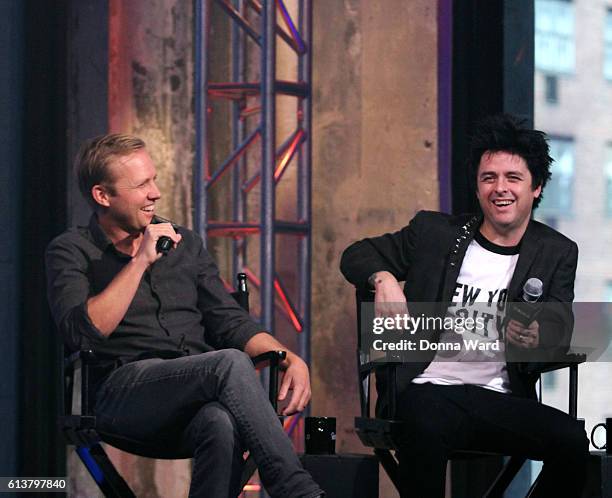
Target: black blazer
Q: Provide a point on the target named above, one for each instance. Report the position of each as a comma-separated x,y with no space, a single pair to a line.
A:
428,253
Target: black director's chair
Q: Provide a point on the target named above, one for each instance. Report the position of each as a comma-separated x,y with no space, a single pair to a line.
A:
79,424
384,435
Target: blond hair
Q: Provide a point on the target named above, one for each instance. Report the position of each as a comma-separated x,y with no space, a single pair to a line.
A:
92,162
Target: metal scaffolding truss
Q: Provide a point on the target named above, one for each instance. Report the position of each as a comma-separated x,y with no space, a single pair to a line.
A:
264,22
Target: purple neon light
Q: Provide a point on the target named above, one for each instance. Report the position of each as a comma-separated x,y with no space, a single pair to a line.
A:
301,48
294,422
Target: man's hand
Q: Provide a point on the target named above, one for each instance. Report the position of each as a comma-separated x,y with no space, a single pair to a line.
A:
147,251
296,379
389,299
521,336
295,376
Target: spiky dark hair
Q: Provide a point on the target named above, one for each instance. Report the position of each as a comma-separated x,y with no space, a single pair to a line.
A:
507,133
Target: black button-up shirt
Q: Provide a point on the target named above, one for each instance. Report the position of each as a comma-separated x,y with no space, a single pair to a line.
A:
181,305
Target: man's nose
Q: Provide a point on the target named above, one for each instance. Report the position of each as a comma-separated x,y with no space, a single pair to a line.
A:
154,193
501,185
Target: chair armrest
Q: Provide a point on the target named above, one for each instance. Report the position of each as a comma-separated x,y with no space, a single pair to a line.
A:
76,382
568,360
369,367
365,371
571,361
273,359
78,358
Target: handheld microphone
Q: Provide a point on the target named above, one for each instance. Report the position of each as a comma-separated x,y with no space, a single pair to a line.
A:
164,243
527,308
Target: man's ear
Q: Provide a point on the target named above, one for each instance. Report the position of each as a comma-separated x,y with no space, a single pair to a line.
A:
537,192
100,195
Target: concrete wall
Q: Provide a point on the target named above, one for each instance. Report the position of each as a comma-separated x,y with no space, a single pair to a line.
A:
375,165
151,90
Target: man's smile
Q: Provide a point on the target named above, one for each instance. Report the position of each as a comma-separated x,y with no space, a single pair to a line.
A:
503,202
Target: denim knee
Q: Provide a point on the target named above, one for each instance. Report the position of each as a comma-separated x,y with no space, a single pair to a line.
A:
235,357
217,427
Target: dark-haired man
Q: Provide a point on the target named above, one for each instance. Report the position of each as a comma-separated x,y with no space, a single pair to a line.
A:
178,383
481,401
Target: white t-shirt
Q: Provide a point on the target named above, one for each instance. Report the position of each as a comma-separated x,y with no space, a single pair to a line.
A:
480,293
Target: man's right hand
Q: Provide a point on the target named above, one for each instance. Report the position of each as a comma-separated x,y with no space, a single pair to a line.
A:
147,252
107,309
389,299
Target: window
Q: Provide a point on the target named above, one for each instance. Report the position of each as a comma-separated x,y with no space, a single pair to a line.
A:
608,180
554,36
608,292
580,30
549,380
558,194
552,88
608,46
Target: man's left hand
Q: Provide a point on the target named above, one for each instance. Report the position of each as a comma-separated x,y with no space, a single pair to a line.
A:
521,336
296,379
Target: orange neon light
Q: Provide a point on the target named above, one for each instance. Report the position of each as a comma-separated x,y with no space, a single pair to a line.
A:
286,157
235,232
292,316
227,286
250,111
251,276
286,307
288,421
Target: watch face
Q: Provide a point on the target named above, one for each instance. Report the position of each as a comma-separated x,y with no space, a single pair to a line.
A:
372,280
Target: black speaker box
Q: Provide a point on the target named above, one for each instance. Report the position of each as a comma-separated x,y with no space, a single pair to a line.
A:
599,479
344,475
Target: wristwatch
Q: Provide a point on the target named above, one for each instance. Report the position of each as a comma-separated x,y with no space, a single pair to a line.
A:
372,280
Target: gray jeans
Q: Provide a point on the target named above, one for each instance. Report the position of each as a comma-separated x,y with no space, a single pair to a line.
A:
210,407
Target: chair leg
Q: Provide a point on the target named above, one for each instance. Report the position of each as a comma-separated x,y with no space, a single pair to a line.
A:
504,478
390,464
103,472
533,487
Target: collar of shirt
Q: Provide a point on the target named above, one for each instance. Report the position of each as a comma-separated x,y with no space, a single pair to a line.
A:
99,237
101,240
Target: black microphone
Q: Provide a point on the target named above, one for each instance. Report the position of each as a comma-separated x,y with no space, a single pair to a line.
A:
164,243
528,306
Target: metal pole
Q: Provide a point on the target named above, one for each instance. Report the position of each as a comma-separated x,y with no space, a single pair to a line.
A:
202,24
305,183
268,152
573,390
445,102
238,134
